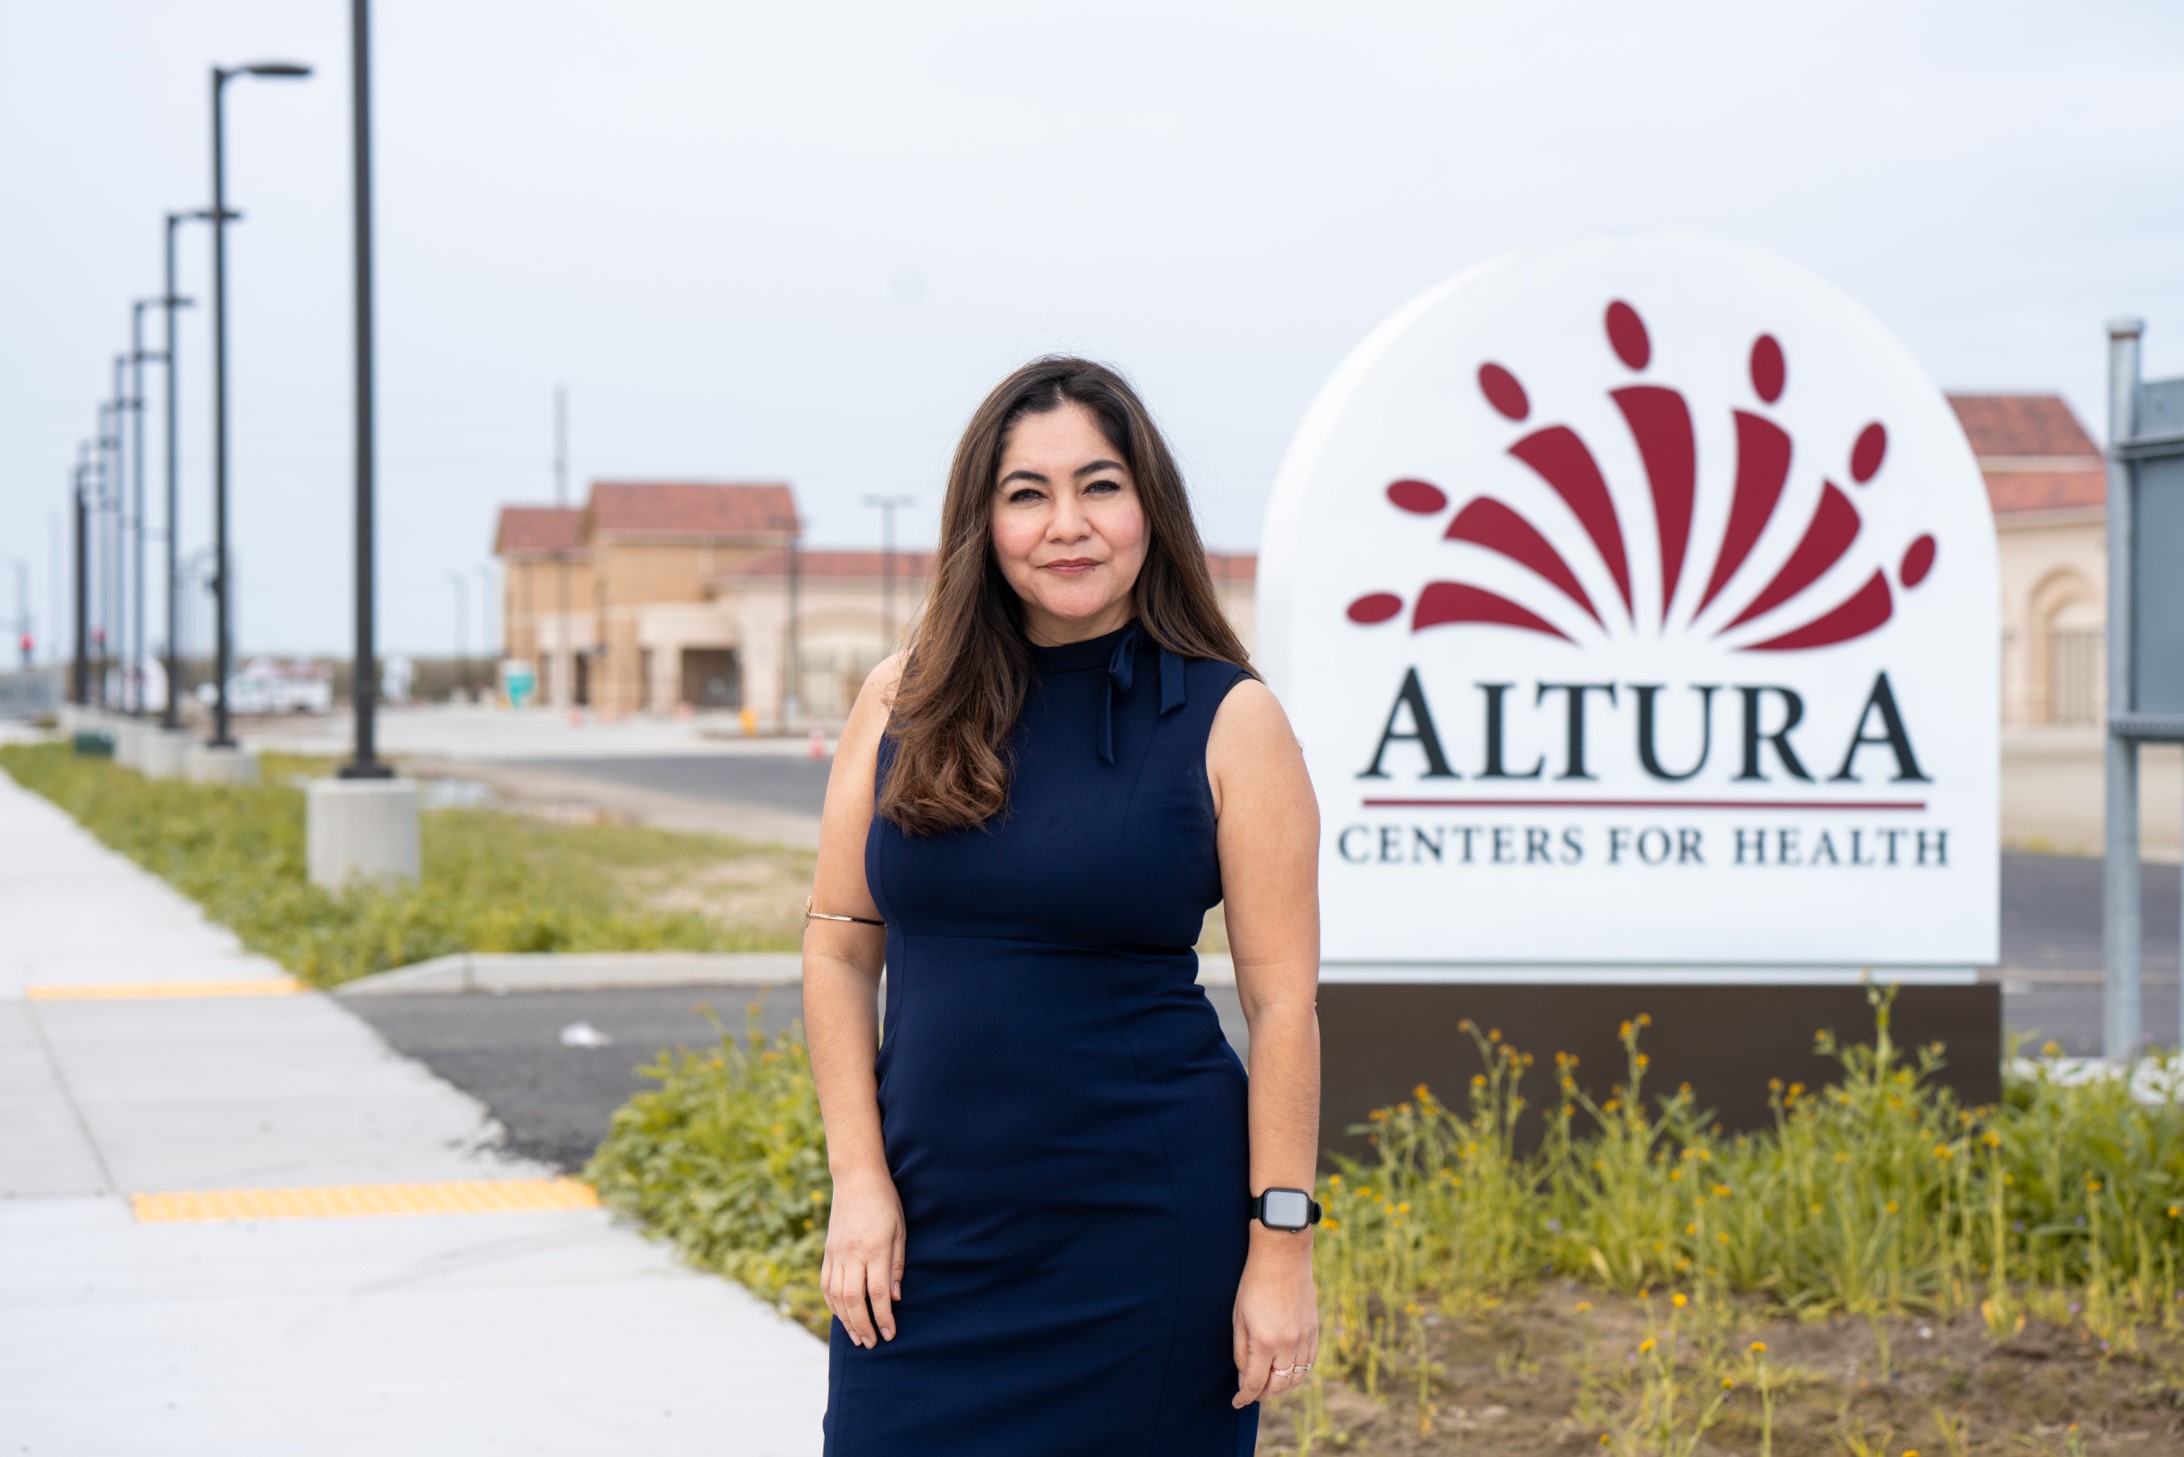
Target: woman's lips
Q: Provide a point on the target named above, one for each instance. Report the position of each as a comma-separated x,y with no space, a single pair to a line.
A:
1072,567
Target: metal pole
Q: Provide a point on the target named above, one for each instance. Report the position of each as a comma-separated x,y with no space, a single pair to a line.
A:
80,678
103,631
365,686
221,739
486,644
2120,1024
462,656
565,667
136,427
792,701
887,505
122,527
170,713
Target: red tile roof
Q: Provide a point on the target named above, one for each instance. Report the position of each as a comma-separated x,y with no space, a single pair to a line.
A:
524,530
2032,451
2036,490
691,508
2022,425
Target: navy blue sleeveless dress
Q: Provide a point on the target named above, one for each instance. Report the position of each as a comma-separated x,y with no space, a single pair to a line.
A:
1064,1121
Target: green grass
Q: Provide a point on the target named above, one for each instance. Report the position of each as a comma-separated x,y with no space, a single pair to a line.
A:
492,880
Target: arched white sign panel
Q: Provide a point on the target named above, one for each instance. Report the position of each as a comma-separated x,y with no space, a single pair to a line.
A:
1635,601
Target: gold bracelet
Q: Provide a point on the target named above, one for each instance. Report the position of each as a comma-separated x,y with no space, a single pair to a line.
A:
812,915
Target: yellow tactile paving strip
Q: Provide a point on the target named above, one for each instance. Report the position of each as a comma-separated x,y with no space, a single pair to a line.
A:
346,1201
122,991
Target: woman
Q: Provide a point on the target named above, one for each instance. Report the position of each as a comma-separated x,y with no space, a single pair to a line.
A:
1043,1239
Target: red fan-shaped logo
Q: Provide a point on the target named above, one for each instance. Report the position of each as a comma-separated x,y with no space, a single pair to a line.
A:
1660,423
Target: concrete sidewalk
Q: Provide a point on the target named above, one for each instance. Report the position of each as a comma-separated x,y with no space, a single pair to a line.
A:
156,1082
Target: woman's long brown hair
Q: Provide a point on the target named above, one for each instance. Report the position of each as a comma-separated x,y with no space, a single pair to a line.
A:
967,671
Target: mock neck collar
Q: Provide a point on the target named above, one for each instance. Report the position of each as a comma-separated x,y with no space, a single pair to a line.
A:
1079,656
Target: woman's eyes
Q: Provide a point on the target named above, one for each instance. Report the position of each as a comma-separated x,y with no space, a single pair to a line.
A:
1022,494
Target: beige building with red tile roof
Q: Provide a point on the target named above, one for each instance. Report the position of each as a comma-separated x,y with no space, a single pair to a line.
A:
2048,484
655,596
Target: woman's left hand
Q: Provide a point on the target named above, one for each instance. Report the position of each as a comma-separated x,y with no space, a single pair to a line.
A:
1277,1316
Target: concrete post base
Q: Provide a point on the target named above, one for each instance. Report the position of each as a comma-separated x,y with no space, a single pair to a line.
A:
128,743
163,753
360,829
203,764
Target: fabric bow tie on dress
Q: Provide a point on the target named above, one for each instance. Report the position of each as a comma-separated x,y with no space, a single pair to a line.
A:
1122,671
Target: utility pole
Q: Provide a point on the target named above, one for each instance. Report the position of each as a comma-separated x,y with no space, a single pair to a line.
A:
565,669
887,505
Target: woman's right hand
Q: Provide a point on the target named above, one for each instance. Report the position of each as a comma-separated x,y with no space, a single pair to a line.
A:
863,1259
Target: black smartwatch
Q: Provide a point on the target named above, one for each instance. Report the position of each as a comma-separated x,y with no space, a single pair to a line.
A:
1287,1209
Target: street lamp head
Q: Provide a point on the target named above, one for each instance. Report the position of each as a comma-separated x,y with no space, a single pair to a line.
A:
290,70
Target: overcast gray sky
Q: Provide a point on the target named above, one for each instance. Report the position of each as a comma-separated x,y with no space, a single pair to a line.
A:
799,242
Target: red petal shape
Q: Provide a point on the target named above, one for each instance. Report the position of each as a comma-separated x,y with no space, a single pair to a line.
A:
1564,463
1375,607
1627,333
1422,497
1661,424
1834,526
1487,522
1503,392
1769,369
1866,609
1866,455
1763,463
1918,560
1461,602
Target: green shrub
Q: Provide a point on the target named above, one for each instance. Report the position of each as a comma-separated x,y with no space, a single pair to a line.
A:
727,1159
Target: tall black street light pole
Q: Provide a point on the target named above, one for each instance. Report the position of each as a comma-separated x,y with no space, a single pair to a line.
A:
79,688
364,676
170,714
123,526
102,632
221,75
137,356
887,505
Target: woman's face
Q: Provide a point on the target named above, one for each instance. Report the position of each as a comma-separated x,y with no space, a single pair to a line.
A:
1068,528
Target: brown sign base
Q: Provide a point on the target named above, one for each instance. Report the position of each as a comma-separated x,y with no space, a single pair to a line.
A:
1379,1040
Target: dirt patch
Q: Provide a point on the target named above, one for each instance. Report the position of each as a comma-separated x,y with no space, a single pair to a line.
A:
1541,1376
758,891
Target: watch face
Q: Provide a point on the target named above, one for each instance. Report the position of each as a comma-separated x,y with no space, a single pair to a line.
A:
1285,1208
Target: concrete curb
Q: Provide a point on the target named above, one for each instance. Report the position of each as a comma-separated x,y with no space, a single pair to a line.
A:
544,971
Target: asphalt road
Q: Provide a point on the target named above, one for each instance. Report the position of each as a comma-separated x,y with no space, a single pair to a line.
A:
770,782
555,1099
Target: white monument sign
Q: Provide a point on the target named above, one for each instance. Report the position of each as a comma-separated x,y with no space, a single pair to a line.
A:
1635,601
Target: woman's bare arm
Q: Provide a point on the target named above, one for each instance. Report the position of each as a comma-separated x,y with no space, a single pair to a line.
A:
842,965
1268,839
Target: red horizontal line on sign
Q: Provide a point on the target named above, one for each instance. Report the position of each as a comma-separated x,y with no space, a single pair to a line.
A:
1854,805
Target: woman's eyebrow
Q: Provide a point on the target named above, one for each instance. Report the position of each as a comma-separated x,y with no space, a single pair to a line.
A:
1028,474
